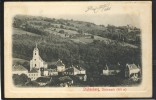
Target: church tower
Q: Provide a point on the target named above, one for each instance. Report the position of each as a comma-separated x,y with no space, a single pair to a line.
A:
37,61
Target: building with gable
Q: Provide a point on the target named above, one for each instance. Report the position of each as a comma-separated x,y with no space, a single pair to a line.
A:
71,71
110,70
60,66
34,74
52,72
81,70
37,61
132,70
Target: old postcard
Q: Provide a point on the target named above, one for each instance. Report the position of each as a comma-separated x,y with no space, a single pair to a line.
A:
77,49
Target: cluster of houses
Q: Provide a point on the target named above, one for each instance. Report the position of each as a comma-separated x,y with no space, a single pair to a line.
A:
39,68
40,72
131,71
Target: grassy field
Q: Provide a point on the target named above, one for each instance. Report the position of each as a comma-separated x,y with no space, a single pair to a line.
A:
18,60
20,32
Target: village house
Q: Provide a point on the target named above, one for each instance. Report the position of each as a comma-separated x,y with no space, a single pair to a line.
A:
132,70
52,72
34,74
19,69
111,70
71,71
60,66
46,72
74,70
81,70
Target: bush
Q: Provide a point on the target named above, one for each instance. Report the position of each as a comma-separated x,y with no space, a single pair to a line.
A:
20,79
61,31
111,80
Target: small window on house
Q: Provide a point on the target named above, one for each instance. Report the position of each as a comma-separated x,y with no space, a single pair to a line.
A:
35,53
35,65
35,59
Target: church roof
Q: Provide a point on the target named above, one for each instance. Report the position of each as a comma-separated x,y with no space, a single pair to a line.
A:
59,63
19,68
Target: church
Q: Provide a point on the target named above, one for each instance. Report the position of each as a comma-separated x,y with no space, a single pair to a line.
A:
37,61
36,65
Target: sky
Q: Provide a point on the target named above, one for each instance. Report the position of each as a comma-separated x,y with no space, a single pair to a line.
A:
105,19
117,15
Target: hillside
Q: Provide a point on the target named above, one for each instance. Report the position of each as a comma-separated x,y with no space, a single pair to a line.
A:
75,42
74,29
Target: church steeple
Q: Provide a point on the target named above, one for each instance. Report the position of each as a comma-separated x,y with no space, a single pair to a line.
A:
36,44
37,61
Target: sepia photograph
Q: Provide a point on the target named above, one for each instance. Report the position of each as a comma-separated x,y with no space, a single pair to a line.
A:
67,52
95,47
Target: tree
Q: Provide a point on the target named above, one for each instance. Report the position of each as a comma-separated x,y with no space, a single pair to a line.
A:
80,31
88,25
61,31
92,37
20,79
61,26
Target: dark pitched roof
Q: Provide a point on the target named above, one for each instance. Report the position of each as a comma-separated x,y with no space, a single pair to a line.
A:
19,68
33,71
72,69
43,79
80,68
132,66
59,63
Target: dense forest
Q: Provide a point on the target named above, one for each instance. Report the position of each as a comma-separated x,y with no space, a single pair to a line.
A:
113,45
